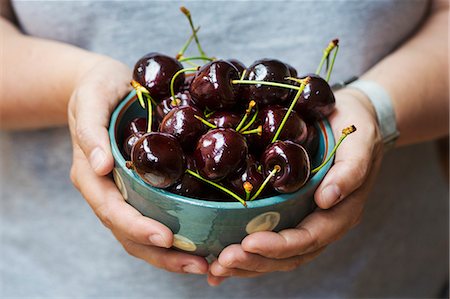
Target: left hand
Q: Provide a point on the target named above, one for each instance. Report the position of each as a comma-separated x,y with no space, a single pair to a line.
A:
340,199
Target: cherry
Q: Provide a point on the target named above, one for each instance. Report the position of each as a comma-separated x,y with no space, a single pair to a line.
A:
158,159
271,117
154,71
192,187
129,142
181,123
181,99
249,175
292,162
136,125
212,88
237,64
317,100
219,153
270,70
225,119
292,70
186,83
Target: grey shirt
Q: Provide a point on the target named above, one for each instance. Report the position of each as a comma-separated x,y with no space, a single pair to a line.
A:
52,245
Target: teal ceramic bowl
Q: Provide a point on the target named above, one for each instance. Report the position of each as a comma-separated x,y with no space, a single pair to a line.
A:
205,227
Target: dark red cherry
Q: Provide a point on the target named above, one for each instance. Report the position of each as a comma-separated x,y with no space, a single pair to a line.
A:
187,82
237,64
154,71
212,88
129,142
225,119
182,99
192,187
138,124
181,123
270,70
219,153
158,159
317,100
271,118
294,163
249,174
292,70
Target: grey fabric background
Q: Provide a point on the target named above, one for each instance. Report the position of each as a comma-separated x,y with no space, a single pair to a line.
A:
53,246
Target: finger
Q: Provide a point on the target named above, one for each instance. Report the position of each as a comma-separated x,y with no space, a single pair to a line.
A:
109,205
217,270
214,281
167,259
353,158
93,105
316,231
235,257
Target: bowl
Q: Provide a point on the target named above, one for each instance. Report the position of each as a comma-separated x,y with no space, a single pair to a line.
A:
203,227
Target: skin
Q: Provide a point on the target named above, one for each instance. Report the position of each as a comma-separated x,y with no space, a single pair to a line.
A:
75,91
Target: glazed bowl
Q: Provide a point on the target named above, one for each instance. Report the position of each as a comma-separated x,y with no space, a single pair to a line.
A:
203,227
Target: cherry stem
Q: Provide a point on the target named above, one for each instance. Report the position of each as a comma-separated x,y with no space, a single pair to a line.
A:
175,102
255,82
218,186
252,120
243,74
183,59
332,64
205,122
172,91
187,13
345,132
291,107
258,131
150,114
208,114
186,45
326,53
275,169
139,91
248,187
247,113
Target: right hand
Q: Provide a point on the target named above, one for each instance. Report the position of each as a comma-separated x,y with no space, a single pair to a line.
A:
93,99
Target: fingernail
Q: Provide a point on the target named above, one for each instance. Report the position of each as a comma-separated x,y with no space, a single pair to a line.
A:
157,240
330,195
97,158
191,268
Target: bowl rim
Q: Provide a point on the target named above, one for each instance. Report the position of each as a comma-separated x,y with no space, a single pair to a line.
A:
260,203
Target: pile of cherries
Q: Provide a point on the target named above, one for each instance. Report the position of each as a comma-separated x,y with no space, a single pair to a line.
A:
223,131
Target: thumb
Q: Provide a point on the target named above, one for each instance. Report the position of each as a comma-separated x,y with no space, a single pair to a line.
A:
91,115
352,165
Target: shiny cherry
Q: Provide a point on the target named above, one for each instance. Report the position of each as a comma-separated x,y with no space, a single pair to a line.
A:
154,71
271,117
270,70
249,174
317,100
212,88
237,64
294,163
225,119
129,142
158,159
182,123
219,153
182,99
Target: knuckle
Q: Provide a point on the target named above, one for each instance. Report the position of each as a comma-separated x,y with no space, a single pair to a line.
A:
83,133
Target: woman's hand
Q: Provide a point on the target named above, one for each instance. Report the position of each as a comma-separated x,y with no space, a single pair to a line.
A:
340,199
92,102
